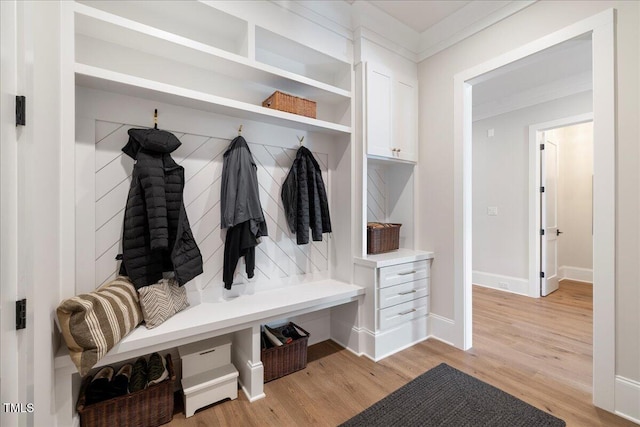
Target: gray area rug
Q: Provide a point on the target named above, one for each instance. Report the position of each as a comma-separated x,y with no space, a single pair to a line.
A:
444,396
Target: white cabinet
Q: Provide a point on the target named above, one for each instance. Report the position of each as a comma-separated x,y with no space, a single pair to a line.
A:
396,302
391,116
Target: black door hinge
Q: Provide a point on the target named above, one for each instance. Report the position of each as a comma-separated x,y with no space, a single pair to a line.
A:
542,146
21,110
542,274
542,232
21,314
542,189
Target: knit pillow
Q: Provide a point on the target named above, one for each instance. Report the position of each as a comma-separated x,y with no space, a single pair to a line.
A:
161,301
93,323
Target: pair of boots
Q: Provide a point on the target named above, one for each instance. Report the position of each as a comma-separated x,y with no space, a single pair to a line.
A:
145,374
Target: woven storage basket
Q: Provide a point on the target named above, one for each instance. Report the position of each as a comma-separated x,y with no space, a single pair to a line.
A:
291,104
150,407
283,360
382,237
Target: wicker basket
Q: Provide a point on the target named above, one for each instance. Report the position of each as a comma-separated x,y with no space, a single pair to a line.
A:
291,104
382,237
150,407
283,360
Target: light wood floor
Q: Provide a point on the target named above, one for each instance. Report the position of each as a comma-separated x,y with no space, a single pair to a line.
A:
536,349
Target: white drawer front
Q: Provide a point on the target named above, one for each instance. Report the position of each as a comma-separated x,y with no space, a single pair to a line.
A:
392,295
401,273
401,313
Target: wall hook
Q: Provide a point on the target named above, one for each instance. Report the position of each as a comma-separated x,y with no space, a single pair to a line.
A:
240,130
155,119
300,139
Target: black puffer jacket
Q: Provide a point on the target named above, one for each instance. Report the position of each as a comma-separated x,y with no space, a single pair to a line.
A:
157,237
305,199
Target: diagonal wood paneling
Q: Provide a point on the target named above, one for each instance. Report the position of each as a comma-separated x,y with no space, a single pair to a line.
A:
376,193
277,256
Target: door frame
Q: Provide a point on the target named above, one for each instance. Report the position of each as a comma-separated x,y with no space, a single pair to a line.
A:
602,29
535,220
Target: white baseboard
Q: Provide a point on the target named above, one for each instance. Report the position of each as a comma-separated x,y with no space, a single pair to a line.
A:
577,274
442,329
515,285
627,399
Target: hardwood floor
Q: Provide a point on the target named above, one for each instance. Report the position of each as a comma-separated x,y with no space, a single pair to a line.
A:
538,350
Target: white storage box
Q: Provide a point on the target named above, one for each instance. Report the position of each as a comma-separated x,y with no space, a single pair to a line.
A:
209,387
203,356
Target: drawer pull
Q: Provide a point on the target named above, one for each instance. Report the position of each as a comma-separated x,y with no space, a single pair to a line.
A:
406,272
206,352
407,312
413,291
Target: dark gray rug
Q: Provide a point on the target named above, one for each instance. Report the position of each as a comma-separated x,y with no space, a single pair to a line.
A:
444,396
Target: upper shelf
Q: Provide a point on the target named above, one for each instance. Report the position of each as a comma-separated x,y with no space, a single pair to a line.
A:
110,47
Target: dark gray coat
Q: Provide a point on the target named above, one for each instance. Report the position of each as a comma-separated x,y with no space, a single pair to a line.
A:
156,236
240,199
304,198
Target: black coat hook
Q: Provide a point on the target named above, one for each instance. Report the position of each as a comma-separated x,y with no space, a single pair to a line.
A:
155,119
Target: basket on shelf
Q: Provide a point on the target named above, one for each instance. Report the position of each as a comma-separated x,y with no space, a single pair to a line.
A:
382,237
150,407
286,359
291,104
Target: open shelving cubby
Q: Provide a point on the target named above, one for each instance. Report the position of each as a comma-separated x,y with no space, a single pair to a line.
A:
118,49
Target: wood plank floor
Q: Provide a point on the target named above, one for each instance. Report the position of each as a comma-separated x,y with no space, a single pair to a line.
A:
538,350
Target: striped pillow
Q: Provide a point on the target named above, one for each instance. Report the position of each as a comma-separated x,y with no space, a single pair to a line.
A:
93,323
161,301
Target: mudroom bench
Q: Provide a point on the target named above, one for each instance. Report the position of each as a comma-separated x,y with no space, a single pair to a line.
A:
241,317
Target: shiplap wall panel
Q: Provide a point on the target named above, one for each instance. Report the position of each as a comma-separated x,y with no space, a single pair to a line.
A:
376,193
277,256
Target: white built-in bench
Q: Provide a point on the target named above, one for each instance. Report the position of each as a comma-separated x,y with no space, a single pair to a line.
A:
241,316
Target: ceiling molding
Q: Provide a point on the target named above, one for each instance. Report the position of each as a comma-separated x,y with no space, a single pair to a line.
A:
372,36
333,15
461,25
555,90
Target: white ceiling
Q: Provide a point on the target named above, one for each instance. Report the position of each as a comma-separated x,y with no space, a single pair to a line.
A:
420,15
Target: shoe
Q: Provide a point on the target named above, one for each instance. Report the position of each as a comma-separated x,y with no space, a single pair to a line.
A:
120,382
138,379
99,388
157,369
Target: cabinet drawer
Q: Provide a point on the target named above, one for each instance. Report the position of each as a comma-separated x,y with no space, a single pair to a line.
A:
401,273
392,295
401,313
205,355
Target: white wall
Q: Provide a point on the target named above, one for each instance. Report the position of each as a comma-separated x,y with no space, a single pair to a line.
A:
501,180
575,245
436,172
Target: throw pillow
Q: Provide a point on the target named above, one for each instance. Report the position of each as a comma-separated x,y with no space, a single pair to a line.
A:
93,323
161,301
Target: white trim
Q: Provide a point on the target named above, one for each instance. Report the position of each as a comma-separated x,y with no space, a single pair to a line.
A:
628,399
500,282
602,28
534,195
442,329
577,274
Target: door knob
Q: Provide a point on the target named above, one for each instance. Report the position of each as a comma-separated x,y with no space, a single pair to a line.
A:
558,232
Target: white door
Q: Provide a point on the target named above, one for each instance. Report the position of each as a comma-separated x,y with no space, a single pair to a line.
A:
405,119
549,216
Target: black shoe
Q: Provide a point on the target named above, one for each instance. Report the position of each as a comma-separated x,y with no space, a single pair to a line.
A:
120,382
138,379
157,369
100,387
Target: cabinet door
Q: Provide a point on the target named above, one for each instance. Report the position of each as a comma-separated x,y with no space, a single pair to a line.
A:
405,119
378,110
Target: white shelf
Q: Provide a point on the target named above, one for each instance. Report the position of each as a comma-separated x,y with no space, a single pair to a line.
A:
398,256
100,25
107,80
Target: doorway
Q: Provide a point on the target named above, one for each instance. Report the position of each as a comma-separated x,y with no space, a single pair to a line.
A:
602,30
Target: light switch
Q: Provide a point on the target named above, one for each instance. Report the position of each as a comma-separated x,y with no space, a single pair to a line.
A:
492,211
490,132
